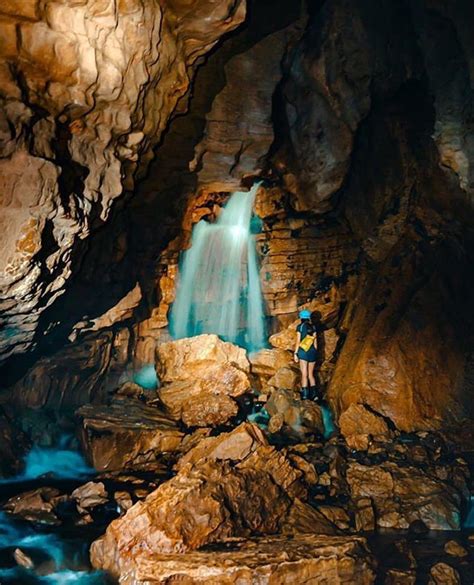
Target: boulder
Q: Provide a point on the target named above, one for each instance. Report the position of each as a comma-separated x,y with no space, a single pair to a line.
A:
278,559
358,425
90,495
201,378
36,505
402,495
126,434
267,362
444,574
234,446
200,505
231,485
293,416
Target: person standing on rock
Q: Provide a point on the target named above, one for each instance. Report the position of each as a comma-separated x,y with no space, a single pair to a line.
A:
306,355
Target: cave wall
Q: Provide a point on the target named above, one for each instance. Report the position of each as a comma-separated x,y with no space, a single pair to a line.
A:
87,89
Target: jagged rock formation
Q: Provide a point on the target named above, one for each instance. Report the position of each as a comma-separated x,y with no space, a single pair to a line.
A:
87,90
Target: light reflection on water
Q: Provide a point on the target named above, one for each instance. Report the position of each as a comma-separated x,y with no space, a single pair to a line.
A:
57,560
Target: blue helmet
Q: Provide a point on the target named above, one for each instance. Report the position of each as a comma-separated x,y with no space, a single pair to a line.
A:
305,314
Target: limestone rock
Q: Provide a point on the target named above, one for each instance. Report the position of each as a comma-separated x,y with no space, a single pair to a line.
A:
303,558
13,444
90,495
106,78
443,574
234,446
36,505
298,417
267,362
126,434
201,376
358,425
401,495
455,549
170,520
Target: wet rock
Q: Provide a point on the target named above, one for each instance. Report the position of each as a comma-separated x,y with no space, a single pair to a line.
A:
130,390
240,484
336,515
170,519
401,495
126,434
108,106
400,577
201,378
13,444
234,446
23,559
358,425
37,505
90,495
293,416
303,558
124,500
454,549
267,362
443,574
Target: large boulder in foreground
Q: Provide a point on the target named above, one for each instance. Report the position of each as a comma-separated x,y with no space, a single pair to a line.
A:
238,486
275,560
201,378
126,434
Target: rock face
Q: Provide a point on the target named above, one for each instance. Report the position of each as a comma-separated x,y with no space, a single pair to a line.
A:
308,559
126,434
201,377
93,84
402,495
357,425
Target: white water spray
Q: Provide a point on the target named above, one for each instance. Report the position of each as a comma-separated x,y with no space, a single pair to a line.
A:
219,288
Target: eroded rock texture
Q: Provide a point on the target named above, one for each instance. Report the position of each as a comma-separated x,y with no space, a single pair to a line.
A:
87,90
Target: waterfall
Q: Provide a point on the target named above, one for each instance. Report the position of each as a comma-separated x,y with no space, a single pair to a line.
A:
219,287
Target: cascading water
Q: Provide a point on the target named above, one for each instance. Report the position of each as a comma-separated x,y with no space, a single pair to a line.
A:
219,287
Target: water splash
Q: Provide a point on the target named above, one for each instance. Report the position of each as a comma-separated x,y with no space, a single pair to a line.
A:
328,423
219,288
61,461
469,521
146,377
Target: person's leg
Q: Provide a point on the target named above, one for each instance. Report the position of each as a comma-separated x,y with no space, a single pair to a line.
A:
312,379
304,379
313,390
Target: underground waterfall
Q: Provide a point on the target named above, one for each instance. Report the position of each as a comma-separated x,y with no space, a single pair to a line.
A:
219,288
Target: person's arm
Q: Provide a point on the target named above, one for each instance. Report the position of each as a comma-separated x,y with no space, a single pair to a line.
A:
298,339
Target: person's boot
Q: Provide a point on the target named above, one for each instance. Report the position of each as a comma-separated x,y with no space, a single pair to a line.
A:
314,394
304,393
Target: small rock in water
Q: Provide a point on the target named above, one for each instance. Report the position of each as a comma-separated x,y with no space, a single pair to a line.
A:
399,577
90,495
443,574
22,559
454,549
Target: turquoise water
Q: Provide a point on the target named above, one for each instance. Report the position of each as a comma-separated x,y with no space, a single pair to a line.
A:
58,560
219,285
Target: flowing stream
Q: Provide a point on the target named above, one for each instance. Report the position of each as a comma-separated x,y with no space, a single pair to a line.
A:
219,286
59,558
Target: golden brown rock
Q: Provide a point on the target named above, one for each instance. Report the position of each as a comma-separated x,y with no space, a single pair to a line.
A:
402,495
200,505
106,77
280,560
443,574
202,375
300,417
126,434
358,425
234,446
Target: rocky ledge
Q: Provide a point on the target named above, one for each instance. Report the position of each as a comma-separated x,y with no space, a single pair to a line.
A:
302,559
